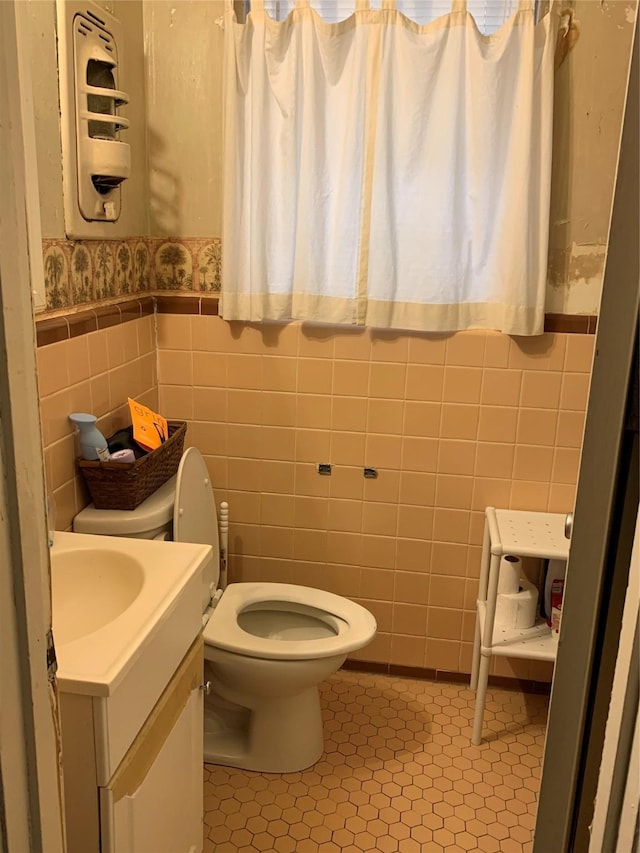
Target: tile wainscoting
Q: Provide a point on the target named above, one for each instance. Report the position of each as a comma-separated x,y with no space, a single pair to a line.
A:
452,423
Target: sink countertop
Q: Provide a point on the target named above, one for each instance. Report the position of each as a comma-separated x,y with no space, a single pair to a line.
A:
96,662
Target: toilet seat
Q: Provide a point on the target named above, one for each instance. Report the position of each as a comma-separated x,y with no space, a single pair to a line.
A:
354,625
195,520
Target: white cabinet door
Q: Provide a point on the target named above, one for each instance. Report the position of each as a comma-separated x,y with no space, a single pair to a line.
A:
153,804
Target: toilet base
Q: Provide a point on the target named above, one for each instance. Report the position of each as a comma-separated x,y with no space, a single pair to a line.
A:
282,735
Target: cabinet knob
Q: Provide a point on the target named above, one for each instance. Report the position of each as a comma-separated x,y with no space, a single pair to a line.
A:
206,687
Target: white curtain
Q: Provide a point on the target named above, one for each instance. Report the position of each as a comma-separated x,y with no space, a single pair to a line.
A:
382,172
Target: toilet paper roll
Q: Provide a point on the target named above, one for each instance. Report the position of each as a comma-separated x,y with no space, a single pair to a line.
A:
122,456
509,575
518,609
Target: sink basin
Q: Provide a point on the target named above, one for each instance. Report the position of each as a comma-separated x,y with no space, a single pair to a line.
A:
90,588
122,605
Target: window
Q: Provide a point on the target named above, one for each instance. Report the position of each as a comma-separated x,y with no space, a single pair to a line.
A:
489,15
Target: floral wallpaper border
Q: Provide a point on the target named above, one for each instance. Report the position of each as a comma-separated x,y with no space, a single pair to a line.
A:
83,272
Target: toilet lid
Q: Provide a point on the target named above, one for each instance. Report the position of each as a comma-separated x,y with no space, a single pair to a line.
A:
194,512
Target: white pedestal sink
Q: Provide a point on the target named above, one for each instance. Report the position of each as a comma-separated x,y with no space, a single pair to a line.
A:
127,615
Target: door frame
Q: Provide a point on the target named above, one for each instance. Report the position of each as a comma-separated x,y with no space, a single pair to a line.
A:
30,780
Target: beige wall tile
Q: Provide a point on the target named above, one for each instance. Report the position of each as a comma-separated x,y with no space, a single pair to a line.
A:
244,371
312,513
443,655
427,349
417,488
379,552
314,375
310,544
385,488
540,390
579,355
454,492
380,518
407,651
115,346
411,587
385,416
344,547
466,348
348,414
459,421
309,482
501,387
175,367
570,429
313,445
533,463
451,525
409,619
176,402
209,437
345,515
415,522
352,344
276,541
377,583
388,345
449,558
494,460
210,369
529,495
174,331
316,341
276,409
566,464
278,477
278,510
425,382
413,555
53,372
245,407
210,404
348,448
496,350
351,378
562,497
278,443
456,457
490,491
422,419
347,482
387,380
246,507
462,384
420,454
444,623
384,451
279,373
575,391
313,411
537,426
280,338
498,423
540,352
446,591
78,357
246,474
246,441
98,355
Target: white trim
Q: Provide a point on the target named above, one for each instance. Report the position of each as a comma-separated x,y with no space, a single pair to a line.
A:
30,793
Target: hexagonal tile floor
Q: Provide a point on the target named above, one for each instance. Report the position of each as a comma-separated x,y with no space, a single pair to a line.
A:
398,774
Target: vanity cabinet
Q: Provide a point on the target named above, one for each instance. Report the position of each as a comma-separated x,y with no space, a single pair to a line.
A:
152,801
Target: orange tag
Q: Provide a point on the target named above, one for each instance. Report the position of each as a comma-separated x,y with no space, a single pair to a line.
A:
149,428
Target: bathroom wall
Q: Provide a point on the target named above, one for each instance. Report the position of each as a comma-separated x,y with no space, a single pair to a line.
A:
451,423
91,363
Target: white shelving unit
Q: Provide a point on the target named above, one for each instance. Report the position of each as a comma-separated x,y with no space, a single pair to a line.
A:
522,534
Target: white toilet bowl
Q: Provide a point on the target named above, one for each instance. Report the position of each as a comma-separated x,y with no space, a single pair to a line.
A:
267,645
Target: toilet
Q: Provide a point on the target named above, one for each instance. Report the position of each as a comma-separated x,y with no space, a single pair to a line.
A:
267,645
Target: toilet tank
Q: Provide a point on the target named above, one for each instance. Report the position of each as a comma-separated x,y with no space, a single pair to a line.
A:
153,519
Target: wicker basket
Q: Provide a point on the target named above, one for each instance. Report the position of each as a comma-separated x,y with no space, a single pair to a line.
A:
124,485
